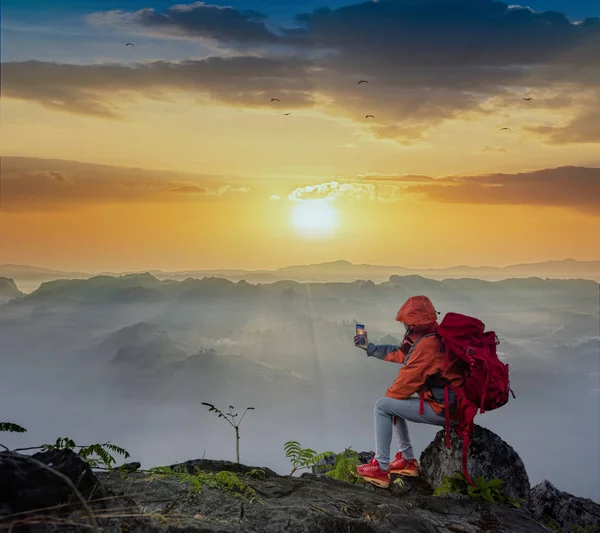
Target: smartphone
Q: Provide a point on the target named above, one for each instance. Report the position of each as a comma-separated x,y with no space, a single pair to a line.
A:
360,334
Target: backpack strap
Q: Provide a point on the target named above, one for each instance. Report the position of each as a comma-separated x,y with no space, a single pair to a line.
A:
415,344
422,393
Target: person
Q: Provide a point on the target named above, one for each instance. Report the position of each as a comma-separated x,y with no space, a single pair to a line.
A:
423,373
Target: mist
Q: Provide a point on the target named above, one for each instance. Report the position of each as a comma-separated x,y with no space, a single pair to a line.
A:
130,359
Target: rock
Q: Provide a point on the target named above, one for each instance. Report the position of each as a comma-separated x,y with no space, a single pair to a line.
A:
572,514
130,467
208,465
30,490
141,502
489,456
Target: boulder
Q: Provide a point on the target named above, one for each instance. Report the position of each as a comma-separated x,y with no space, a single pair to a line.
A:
489,456
25,485
209,465
571,514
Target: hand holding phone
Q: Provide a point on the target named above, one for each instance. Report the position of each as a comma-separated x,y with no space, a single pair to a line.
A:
360,338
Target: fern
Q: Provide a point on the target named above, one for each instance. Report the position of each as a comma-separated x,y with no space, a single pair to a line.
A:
302,457
489,491
96,455
344,468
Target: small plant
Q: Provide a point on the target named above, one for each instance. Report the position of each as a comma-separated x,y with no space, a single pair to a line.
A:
224,480
489,491
230,417
96,455
257,473
302,457
11,428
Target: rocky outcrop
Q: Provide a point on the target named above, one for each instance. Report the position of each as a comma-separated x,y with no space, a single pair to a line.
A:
24,485
489,456
570,513
141,502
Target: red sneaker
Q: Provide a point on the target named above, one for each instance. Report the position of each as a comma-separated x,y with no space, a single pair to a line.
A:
372,473
396,464
403,467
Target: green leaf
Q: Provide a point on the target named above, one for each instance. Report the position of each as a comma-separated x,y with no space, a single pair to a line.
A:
479,482
495,484
11,427
487,496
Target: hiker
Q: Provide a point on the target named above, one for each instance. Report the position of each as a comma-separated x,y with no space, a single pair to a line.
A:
424,374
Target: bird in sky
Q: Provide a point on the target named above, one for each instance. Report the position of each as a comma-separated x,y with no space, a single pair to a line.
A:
528,98
370,116
130,44
286,114
501,129
274,99
362,81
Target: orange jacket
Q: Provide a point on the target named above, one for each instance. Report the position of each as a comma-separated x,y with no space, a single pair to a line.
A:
425,361
426,358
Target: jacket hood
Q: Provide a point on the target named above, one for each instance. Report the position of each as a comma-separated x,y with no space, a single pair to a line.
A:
418,312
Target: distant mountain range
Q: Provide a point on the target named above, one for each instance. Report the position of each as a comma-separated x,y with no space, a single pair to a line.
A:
28,278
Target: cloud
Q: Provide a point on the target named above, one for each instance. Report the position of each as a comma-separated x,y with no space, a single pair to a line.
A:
275,197
493,149
398,178
334,190
30,184
94,89
223,24
427,62
576,188
190,189
584,128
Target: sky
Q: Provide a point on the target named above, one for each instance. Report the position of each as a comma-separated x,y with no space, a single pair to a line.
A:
237,135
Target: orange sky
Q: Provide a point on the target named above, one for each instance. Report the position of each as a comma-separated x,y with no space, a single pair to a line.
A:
224,171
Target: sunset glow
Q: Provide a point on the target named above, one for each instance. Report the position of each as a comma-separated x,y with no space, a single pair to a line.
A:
314,218
256,134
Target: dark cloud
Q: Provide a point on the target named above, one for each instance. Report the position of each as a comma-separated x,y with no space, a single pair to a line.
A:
427,61
584,128
30,184
572,187
87,89
224,24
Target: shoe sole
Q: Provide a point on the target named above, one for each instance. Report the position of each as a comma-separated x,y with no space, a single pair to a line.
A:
406,473
377,482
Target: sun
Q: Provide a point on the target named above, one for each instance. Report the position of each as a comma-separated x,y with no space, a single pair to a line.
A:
314,218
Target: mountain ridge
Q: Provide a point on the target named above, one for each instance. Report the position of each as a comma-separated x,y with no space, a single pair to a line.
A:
340,270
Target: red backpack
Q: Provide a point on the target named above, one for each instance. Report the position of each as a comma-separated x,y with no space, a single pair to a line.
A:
486,385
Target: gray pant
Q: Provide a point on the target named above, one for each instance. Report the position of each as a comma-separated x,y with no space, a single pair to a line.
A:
403,410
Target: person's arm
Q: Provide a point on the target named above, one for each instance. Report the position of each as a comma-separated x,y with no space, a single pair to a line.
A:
422,364
386,352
